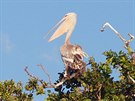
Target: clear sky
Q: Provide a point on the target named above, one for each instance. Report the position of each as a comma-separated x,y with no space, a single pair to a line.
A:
24,23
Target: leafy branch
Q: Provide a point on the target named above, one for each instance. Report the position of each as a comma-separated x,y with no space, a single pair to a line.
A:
50,84
126,42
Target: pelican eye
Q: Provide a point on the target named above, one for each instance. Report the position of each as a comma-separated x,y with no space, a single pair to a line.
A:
65,16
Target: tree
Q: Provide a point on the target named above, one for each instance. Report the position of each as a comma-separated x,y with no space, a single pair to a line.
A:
95,84
11,91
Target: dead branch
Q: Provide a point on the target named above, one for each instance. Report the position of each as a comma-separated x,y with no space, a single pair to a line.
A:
99,92
31,75
131,78
67,78
50,83
43,68
41,81
127,42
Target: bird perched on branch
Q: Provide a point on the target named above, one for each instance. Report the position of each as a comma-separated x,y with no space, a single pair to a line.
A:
72,55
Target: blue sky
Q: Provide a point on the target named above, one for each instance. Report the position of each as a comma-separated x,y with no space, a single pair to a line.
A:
24,23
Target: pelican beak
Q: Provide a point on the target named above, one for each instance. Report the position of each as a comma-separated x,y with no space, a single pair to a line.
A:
61,29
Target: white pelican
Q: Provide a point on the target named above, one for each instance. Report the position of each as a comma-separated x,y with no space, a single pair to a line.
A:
72,55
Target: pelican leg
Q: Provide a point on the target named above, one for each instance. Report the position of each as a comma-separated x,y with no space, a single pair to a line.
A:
66,70
67,62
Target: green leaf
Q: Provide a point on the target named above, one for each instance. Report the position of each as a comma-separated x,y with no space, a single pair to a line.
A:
87,100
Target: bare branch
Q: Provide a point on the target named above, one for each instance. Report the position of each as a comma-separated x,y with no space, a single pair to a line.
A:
50,83
31,75
99,92
41,81
43,68
118,34
115,31
79,72
131,38
65,78
131,78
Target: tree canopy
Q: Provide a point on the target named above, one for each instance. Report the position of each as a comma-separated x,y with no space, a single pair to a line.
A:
96,83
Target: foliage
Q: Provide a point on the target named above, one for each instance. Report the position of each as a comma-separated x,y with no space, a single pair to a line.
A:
11,91
96,84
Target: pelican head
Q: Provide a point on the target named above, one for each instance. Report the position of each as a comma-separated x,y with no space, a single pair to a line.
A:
78,50
65,25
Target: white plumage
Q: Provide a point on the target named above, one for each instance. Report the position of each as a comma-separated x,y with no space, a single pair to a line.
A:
72,55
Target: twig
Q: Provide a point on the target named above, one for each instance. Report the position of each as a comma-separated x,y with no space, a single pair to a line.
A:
42,67
41,81
119,35
131,78
50,83
65,78
99,92
31,75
